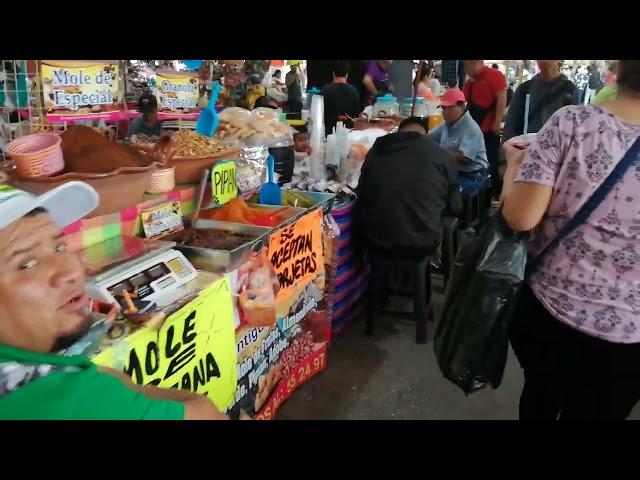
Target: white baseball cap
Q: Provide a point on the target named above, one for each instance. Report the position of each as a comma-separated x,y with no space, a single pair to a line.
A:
64,204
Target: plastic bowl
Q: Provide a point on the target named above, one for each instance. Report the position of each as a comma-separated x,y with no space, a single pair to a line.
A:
37,155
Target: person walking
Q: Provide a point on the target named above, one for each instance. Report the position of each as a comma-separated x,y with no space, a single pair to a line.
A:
576,332
581,81
593,84
486,94
548,92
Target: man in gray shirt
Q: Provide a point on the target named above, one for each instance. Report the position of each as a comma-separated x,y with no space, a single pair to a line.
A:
548,92
461,136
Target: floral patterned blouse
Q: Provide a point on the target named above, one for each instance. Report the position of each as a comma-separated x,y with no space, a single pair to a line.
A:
591,281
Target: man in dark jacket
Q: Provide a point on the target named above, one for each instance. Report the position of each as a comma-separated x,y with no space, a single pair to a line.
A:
548,92
407,183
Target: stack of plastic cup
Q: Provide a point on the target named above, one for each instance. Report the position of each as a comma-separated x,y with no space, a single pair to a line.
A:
316,138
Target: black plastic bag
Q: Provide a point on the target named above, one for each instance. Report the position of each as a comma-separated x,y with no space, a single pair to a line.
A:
471,342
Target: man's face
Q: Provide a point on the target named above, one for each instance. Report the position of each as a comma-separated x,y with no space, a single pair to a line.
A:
43,305
473,67
452,114
152,117
548,65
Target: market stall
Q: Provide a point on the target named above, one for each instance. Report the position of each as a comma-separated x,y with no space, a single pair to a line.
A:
198,281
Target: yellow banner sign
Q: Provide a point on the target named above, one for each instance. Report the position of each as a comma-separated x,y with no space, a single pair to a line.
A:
176,91
223,182
296,252
80,86
194,349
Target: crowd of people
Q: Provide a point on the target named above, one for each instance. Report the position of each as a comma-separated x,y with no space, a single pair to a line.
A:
575,331
576,334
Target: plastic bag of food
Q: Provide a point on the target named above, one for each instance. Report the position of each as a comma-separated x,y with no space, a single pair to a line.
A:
266,114
251,168
350,169
330,226
234,114
260,127
258,289
471,342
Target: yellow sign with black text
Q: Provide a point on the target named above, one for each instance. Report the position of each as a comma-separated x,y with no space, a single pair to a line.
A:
193,350
80,86
223,182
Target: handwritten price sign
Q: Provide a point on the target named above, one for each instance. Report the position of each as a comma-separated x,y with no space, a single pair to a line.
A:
296,251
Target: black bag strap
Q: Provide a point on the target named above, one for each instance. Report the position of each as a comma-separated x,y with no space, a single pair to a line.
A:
630,158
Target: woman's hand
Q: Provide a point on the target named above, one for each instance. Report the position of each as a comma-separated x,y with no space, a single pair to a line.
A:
514,156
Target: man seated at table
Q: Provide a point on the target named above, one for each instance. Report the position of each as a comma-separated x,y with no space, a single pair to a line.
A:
407,183
44,310
462,137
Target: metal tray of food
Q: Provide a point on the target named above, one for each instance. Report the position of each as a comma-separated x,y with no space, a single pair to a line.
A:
306,200
230,251
291,214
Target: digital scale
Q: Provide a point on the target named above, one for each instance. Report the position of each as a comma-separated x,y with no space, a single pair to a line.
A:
146,269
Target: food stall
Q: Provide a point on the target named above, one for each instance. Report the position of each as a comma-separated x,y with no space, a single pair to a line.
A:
232,309
197,284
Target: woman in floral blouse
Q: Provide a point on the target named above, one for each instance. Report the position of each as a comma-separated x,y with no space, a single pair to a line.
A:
577,333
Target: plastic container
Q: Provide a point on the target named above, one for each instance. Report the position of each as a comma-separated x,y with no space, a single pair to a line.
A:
285,160
310,93
386,106
258,307
37,155
163,180
420,110
435,113
433,107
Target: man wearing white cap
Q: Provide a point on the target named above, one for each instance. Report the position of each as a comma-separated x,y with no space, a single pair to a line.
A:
462,137
44,310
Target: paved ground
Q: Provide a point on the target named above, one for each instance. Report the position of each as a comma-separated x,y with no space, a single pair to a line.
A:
388,376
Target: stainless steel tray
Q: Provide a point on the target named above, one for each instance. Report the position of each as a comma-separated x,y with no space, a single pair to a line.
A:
214,260
291,214
317,199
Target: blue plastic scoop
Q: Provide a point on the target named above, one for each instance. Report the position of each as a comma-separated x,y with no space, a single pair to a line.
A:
270,192
208,120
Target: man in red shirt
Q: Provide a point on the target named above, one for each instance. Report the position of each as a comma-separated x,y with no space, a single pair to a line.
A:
486,93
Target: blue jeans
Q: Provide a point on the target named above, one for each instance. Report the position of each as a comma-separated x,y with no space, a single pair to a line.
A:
471,182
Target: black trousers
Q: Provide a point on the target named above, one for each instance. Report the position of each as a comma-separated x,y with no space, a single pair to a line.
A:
570,375
492,144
